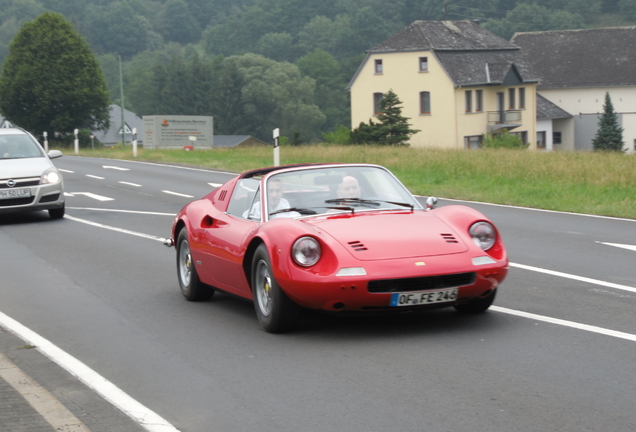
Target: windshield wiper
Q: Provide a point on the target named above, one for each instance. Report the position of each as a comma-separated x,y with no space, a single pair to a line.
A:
303,211
374,203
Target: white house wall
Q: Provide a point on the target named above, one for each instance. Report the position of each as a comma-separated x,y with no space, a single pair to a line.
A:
583,103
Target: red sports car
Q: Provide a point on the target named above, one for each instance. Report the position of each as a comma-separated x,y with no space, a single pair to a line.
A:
337,238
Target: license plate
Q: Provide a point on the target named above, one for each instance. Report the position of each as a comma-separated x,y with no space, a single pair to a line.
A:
14,193
425,297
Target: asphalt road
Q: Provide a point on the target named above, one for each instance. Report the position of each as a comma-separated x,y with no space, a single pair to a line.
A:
557,352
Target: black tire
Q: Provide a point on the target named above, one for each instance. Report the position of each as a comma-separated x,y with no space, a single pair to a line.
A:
275,311
57,213
477,305
191,287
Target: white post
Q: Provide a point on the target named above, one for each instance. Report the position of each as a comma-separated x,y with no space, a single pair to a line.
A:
76,142
134,142
46,142
276,147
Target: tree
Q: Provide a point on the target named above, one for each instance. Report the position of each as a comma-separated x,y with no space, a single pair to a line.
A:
609,136
276,95
395,129
51,80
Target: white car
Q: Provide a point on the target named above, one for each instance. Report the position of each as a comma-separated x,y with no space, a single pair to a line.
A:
28,179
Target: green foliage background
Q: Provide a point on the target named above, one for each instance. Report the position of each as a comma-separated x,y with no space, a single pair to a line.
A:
218,57
51,80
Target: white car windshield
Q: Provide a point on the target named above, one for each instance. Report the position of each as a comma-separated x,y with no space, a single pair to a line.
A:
19,147
334,189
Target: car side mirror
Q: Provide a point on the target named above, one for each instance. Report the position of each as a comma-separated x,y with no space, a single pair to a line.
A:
431,203
52,154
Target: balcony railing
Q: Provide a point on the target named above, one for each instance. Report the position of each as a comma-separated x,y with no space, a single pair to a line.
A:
504,117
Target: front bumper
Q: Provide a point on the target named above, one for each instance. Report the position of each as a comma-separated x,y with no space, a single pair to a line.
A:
43,197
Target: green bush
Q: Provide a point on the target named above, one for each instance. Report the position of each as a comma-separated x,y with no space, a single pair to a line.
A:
504,140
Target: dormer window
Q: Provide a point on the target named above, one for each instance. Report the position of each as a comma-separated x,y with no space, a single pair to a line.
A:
378,66
423,64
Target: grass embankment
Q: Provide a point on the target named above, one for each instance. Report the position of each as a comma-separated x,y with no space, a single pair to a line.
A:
579,182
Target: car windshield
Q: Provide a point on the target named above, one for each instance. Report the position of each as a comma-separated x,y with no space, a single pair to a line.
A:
19,146
336,189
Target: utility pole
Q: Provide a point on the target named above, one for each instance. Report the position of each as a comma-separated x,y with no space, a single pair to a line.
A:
445,9
121,87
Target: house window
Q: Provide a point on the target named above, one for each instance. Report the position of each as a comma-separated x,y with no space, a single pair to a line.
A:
511,98
556,137
541,140
377,97
479,100
425,102
523,135
522,98
469,101
378,66
423,64
472,142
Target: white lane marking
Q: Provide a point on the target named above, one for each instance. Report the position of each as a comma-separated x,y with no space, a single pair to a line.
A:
115,168
145,417
121,230
618,245
177,194
574,277
68,194
66,171
215,184
95,177
130,184
123,211
56,414
94,196
564,323
539,210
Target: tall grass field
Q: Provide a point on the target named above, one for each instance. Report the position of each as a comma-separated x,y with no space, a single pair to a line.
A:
580,182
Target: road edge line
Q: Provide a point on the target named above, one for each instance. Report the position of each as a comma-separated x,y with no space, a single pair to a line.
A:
141,414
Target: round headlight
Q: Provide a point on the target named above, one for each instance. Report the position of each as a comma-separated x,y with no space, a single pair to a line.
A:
483,234
306,251
50,177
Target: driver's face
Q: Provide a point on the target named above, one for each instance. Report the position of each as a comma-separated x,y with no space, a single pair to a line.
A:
349,188
274,192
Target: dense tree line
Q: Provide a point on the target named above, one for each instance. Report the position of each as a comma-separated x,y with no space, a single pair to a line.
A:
259,64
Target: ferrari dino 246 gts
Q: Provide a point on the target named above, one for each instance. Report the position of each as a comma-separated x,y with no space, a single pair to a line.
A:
337,238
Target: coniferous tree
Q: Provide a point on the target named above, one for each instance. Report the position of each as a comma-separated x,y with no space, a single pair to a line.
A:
51,80
609,136
395,128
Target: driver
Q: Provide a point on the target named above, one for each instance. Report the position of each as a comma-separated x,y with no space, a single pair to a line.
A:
349,188
275,200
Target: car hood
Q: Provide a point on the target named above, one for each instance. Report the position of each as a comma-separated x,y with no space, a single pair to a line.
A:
24,167
380,236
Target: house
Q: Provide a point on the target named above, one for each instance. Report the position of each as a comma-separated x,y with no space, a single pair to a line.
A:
112,135
577,68
456,80
554,125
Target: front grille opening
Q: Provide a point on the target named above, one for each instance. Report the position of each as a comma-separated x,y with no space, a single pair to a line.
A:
16,201
423,283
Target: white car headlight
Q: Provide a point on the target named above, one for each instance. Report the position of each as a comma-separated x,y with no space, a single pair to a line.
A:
483,234
306,251
50,177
